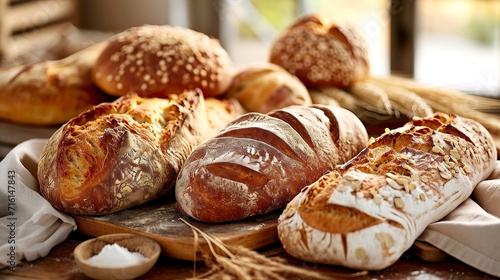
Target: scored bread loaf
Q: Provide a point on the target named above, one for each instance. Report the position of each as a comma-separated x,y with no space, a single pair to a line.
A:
120,154
50,92
366,213
259,162
262,87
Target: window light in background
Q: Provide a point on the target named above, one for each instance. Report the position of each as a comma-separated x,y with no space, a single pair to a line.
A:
458,45
457,42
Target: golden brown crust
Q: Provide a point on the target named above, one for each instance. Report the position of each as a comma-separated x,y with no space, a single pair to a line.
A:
117,155
259,162
220,112
50,92
154,60
263,87
366,213
322,53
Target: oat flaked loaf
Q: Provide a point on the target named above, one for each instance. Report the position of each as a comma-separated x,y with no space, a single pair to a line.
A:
259,162
157,60
322,52
117,155
366,213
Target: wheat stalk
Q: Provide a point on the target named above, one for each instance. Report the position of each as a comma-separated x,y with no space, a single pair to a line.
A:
238,262
317,97
363,110
372,94
407,102
450,101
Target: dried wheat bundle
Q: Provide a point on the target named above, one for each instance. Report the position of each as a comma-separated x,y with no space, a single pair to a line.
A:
407,102
475,102
365,111
317,97
238,262
479,108
371,94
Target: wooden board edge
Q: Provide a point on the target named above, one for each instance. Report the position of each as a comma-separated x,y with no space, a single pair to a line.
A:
427,252
181,248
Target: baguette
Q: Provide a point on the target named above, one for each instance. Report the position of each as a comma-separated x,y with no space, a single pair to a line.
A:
366,213
259,162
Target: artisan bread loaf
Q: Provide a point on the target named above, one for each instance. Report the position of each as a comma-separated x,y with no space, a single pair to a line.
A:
50,92
263,87
366,213
157,60
259,162
322,53
222,111
117,155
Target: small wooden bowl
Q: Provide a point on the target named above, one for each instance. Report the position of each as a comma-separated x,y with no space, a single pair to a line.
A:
149,248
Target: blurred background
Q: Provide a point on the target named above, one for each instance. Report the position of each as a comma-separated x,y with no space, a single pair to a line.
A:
444,43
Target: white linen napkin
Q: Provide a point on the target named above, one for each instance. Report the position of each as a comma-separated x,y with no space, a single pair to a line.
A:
471,233
29,226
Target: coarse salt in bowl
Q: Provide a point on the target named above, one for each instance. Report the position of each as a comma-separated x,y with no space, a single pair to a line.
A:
117,256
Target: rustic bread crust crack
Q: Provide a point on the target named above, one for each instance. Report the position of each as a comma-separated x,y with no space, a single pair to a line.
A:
366,213
121,154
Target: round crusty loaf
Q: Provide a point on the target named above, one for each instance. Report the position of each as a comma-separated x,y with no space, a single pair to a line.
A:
117,155
322,53
157,60
367,213
259,162
263,87
50,92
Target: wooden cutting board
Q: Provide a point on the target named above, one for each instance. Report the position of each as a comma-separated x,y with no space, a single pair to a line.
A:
159,220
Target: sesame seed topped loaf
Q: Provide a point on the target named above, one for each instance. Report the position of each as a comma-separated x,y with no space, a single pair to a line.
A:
366,213
157,60
120,154
259,162
322,53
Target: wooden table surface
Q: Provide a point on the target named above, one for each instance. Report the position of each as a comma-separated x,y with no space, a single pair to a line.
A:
60,264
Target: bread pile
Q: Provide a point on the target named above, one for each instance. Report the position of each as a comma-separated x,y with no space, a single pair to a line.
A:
126,152
172,87
236,143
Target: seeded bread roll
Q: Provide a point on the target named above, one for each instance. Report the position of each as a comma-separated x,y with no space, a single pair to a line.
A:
322,53
158,60
366,213
259,162
50,92
121,154
263,87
